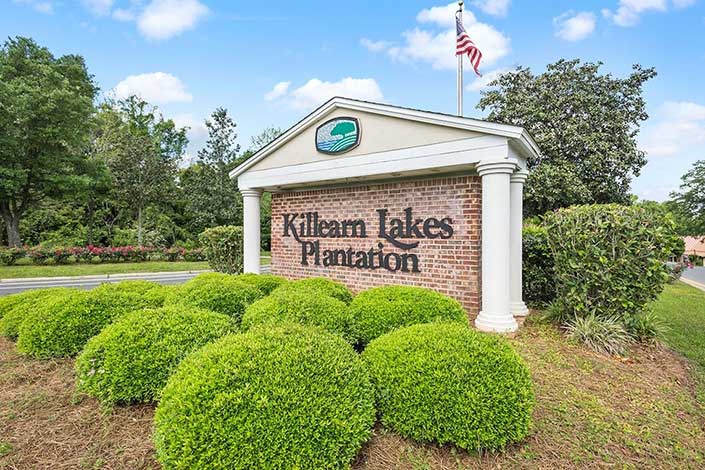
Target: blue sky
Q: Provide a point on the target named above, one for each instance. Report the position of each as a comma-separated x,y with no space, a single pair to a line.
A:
270,63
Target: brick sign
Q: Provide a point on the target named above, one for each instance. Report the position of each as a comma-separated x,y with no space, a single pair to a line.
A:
402,232
446,262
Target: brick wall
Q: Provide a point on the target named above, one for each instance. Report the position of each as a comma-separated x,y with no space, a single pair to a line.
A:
451,266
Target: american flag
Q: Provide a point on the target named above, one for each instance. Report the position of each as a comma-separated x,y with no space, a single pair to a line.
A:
464,45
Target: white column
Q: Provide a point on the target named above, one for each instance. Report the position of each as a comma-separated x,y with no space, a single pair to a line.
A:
517,305
495,314
251,228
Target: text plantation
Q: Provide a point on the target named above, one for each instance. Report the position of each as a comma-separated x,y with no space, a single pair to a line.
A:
403,233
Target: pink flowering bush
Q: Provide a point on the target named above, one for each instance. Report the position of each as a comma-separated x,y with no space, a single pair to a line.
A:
91,254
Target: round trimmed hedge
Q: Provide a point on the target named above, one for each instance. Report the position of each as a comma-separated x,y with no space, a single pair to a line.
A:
284,397
264,282
154,293
8,302
64,327
27,303
217,292
382,309
130,360
448,384
306,308
321,285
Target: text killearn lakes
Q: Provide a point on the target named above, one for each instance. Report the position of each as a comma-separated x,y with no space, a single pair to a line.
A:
402,232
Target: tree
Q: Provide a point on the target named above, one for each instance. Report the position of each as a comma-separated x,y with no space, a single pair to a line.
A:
46,104
142,151
267,135
688,204
585,123
211,195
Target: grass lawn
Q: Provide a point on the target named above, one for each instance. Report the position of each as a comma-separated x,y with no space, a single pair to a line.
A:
591,411
29,270
682,308
13,272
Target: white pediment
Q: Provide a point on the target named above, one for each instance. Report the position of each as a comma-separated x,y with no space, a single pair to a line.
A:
391,139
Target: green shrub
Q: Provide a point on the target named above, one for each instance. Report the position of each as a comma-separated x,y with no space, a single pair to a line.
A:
606,335
322,285
290,397
154,293
306,308
264,282
8,302
64,327
220,293
27,303
538,274
9,256
645,327
448,384
131,359
223,248
382,309
608,258
211,276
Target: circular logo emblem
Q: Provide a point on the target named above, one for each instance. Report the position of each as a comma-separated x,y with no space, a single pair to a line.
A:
338,135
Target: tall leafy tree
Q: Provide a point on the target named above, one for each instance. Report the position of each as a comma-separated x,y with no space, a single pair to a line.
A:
585,123
142,151
211,195
688,204
46,104
267,135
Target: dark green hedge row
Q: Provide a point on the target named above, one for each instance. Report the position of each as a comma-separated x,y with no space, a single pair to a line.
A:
538,276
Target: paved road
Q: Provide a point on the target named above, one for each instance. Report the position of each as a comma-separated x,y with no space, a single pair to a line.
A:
13,286
696,276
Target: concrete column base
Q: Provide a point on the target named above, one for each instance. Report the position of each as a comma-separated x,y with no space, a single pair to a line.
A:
496,323
518,309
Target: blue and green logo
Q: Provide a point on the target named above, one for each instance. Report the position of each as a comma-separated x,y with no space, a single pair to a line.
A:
338,135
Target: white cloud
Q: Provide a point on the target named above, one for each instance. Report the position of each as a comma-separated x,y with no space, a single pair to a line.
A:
678,128
316,92
99,7
197,128
442,15
436,46
493,7
125,15
278,91
374,46
155,88
629,11
483,82
39,6
197,134
162,19
572,26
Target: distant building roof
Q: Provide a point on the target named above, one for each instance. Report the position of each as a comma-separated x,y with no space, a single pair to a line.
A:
695,245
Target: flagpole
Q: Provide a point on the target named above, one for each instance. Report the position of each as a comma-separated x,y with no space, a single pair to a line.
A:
460,66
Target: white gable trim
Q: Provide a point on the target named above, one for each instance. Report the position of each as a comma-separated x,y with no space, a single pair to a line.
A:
426,159
522,140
